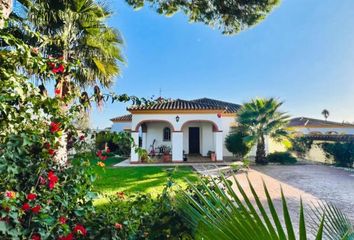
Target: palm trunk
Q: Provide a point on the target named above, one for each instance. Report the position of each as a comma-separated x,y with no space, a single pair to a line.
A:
6,9
261,154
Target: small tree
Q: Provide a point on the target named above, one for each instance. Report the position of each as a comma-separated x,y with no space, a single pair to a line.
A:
235,144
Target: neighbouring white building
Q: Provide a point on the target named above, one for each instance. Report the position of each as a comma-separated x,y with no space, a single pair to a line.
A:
187,127
199,126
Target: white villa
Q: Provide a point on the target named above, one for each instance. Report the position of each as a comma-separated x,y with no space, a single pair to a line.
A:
197,127
187,127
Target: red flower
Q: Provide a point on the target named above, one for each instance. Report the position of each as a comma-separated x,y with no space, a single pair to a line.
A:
36,209
36,236
31,196
10,194
99,153
54,127
51,65
70,236
53,179
108,150
51,152
82,137
103,158
79,229
59,69
118,226
47,145
57,91
26,207
62,220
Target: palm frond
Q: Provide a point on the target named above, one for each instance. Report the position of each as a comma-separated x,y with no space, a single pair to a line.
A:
219,210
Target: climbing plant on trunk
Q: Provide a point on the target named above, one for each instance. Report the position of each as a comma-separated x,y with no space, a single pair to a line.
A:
261,118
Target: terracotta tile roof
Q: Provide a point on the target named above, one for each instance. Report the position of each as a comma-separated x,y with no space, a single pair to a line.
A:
124,118
197,104
312,122
229,107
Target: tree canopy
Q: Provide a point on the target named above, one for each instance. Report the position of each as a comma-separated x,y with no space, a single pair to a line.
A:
230,16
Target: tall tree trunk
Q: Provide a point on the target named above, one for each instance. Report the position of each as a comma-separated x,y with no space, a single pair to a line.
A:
6,9
261,154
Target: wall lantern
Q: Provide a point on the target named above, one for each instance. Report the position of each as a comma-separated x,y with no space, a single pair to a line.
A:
219,115
177,118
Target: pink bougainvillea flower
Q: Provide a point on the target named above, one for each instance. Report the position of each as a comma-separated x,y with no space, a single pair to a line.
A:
36,209
51,151
31,196
42,181
70,236
100,164
118,226
10,194
57,91
25,207
62,220
54,127
53,179
79,229
36,236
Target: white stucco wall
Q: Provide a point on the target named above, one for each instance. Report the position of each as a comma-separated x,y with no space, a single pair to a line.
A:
156,122
155,132
120,126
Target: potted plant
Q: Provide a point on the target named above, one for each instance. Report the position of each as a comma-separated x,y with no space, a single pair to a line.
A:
212,155
166,154
144,156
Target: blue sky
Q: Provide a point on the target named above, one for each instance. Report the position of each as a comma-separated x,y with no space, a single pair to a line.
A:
303,54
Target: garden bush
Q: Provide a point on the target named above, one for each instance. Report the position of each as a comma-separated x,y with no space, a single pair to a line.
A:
140,216
235,144
300,146
118,143
342,152
43,194
281,157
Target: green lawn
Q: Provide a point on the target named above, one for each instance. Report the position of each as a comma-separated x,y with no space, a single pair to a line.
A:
137,179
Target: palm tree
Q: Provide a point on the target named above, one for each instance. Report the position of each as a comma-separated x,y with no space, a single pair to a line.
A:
78,34
260,118
218,211
325,113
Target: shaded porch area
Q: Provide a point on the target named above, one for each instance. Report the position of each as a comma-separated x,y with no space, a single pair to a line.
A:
194,141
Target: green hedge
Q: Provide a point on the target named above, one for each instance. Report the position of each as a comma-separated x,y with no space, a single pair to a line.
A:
281,157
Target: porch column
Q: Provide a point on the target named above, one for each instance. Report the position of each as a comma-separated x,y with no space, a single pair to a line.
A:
218,146
144,136
144,140
177,146
134,157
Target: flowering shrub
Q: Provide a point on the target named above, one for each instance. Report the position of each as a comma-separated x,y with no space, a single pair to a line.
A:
140,216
